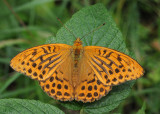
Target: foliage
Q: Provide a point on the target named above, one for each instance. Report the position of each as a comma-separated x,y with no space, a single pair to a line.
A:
36,23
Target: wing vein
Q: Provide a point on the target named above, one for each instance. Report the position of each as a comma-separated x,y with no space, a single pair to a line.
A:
48,58
101,66
50,62
103,62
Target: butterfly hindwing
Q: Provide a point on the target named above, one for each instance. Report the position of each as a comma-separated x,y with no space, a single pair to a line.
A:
89,88
112,67
57,88
59,85
40,62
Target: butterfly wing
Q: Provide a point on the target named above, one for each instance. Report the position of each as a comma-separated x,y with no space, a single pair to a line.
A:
112,67
41,62
89,88
59,85
99,69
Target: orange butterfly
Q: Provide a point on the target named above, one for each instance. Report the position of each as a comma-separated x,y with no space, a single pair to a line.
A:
75,72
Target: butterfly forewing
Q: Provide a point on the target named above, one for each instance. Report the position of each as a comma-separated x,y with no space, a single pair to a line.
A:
40,62
112,67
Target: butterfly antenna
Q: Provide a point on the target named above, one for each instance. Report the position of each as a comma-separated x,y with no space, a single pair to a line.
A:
66,27
93,30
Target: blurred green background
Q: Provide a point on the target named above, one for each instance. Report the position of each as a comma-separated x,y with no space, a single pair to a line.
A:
27,23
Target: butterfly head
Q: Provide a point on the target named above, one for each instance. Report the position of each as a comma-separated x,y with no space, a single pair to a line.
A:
78,42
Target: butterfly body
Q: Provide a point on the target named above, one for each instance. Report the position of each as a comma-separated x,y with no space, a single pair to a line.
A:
77,51
75,72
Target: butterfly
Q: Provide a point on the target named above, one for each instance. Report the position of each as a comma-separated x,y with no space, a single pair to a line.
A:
75,72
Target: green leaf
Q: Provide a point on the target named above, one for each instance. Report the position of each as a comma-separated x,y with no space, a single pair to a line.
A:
87,20
18,106
142,110
108,35
74,105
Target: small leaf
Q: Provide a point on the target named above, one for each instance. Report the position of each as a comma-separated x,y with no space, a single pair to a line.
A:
142,110
18,106
81,23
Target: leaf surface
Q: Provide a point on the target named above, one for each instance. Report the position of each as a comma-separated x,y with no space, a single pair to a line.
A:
19,106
